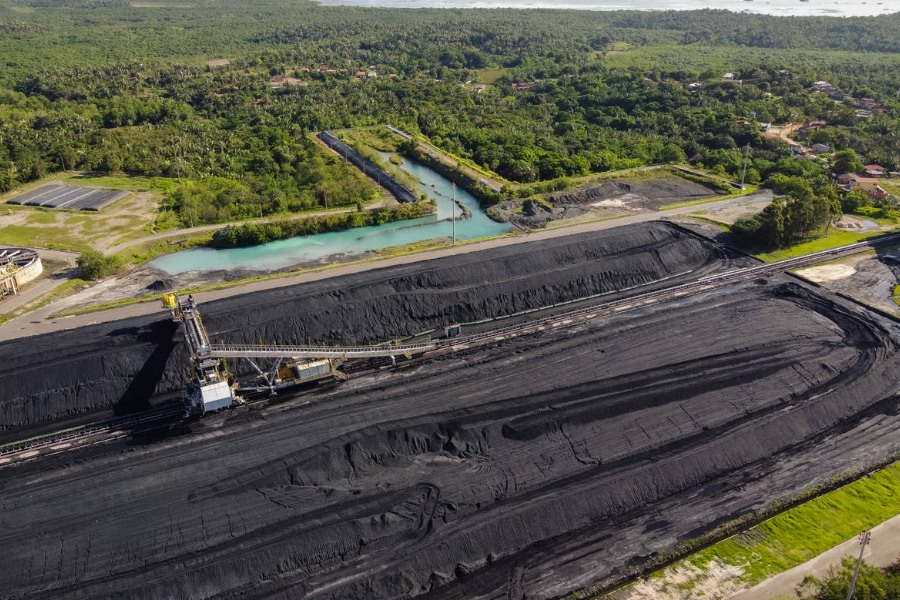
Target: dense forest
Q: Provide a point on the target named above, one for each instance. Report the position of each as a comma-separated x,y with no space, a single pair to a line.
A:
106,86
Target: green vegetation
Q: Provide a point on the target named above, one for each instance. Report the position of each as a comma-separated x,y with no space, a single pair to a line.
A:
802,532
872,583
809,529
834,238
574,94
490,76
94,265
260,233
809,208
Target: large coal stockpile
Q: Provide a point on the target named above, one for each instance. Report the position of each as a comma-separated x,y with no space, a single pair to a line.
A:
124,366
507,472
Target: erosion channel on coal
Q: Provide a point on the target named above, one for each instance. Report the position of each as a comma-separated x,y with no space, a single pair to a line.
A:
526,468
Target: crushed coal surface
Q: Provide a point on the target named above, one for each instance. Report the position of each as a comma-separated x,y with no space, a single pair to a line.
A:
525,469
123,367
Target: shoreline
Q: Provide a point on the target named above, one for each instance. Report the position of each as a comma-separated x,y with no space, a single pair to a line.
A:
773,8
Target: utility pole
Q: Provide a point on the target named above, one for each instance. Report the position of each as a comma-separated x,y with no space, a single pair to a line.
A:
744,176
453,218
864,538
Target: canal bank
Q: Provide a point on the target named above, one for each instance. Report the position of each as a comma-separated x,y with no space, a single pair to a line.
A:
352,244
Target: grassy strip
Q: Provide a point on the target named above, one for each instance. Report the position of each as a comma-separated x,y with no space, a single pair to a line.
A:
804,532
147,251
836,237
884,476
896,295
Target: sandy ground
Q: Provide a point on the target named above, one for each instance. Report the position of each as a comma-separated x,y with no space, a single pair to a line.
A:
851,223
716,582
741,207
101,231
867,278
883,551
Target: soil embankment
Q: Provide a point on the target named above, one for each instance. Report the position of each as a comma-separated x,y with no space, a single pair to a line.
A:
526,469
603,199
125,366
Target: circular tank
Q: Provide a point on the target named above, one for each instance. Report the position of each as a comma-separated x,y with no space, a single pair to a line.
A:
18,266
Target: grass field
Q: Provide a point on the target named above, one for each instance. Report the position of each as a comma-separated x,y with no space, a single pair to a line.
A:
806,531
113,182
490,76
835,238
790,538
132,217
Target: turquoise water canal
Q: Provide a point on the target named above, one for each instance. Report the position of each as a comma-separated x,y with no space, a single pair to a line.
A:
315,248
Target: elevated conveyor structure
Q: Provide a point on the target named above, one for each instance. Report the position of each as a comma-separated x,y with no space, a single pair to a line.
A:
212,388
343,352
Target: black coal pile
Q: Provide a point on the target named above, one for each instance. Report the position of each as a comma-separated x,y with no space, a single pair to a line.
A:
123,367
524,469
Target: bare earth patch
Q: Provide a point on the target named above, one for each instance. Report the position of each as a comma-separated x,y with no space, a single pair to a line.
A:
869,279
824,273
716,582
741,207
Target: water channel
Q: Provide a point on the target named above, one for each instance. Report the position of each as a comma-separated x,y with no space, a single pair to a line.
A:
301,250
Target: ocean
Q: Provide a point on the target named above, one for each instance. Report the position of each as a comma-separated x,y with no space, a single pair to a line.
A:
834,8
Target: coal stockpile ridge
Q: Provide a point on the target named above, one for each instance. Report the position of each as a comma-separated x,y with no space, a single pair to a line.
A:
123,366
494,475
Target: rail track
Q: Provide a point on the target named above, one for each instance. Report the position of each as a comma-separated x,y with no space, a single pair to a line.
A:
665,294
61,441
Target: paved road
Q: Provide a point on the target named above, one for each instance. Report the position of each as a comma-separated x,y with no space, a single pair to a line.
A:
33,291
883,551
38,322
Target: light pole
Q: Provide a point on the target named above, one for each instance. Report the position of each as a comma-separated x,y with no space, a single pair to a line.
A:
744,175
453,208
864,538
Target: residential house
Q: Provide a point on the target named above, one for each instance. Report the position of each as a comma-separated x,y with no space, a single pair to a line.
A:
867,103
820,148
874,170
869,185
845,178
